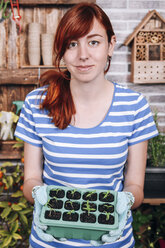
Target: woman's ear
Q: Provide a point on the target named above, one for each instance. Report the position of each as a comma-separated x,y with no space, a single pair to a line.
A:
112,45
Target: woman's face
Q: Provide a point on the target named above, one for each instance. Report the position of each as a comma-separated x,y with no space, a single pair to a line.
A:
86,58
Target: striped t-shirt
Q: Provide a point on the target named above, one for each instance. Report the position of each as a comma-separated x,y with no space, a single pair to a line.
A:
87,157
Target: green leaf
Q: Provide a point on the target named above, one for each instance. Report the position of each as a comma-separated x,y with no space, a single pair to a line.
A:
19,193
18,145
17,236
1,190
10,180
4,180
5,212
4,233
14,174
23,219
7,241
23,200
18,139
21,205
3,204
26,211
16,207
12,218
6,164
14,227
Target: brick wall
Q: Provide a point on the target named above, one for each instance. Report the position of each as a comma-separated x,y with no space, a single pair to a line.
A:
125,15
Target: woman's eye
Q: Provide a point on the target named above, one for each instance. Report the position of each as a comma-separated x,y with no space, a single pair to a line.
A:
73,44
94,43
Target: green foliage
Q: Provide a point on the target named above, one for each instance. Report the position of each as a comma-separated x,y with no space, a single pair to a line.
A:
148,225
15,211
156,148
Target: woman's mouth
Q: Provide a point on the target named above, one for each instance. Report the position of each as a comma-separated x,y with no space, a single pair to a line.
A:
84,68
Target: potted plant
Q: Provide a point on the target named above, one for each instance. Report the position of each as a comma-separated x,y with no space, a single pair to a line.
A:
155,170
149,226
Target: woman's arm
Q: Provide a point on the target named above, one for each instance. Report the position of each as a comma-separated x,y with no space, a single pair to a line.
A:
135,171
33,166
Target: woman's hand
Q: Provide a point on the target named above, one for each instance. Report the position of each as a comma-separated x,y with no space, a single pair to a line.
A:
39,193
124,203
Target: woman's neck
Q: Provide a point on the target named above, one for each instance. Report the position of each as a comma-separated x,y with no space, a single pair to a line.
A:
91,103
88,91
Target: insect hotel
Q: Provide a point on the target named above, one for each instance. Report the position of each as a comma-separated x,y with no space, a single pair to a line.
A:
148,50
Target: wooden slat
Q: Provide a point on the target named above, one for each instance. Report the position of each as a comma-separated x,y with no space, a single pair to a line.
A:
51,2
13,44
19,76
7,151
27,17
154,201
28,76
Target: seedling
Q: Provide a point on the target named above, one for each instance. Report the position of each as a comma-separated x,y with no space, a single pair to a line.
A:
88,208
91,193
70,212
49,204
108,206
70,202
107,215
56,190
73,191
106,194
51,210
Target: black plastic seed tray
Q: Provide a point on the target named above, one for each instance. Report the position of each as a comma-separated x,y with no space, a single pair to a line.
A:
79,213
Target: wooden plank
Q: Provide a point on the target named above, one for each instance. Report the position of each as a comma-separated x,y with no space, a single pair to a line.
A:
25,89
24,76
3,98
27,17
154,201
2,44
13,44
7,151
51,2
19,76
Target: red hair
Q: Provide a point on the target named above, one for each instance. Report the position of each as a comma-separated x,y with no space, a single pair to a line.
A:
76,23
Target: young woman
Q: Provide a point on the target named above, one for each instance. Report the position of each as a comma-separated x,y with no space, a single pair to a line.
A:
81,130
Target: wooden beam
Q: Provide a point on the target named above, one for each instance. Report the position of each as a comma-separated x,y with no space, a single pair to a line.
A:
19,76
154,201
51,2
8,152
23,76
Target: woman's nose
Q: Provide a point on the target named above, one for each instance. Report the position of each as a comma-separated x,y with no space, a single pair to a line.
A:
83,52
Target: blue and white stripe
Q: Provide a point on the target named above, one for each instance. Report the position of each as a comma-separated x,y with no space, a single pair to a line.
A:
90,157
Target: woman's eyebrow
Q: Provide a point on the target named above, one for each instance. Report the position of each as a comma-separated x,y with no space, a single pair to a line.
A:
93,35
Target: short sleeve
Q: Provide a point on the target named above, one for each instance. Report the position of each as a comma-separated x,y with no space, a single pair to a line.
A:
26,126
144,127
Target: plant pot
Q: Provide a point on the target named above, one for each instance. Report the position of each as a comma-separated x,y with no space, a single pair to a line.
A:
53,215
154,184
162,243
104,219
72,205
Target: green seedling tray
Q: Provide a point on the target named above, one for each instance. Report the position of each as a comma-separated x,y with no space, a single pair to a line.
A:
78,229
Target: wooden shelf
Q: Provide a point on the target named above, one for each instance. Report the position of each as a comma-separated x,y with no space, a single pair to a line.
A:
51,2
154,201
23,76
26,75
7,151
